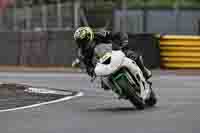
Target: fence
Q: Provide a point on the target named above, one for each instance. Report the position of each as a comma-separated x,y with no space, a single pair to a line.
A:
57,16
161,21
40,16
71,14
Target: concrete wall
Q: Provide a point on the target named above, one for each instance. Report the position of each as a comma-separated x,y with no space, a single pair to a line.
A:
36,48
61,48
57,48
9,48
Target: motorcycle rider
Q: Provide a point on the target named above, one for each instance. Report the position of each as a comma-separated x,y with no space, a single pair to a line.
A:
88,39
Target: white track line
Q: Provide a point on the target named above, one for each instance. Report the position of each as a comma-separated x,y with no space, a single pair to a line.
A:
44,103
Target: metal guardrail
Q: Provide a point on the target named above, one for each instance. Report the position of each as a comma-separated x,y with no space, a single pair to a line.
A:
180,51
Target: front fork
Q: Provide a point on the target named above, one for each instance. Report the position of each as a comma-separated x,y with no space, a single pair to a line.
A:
123,79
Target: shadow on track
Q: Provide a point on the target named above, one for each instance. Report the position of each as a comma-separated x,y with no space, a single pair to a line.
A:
122,109
116,109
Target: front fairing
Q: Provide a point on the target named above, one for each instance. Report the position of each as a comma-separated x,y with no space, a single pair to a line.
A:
103,69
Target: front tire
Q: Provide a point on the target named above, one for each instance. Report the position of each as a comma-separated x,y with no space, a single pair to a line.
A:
130,90
152,100
135,100
139,104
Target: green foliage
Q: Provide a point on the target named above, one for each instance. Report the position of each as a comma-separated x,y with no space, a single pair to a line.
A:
164,3
131,3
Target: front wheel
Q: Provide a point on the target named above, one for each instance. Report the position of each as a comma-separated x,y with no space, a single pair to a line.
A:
137,101
152,100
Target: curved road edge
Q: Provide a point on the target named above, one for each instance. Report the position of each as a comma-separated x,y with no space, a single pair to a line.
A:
45,90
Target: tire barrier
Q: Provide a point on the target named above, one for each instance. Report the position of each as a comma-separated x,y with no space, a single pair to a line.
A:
180,52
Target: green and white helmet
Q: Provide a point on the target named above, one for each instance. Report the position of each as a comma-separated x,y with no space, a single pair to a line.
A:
83,36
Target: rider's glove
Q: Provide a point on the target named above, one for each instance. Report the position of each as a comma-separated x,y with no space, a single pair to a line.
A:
76,62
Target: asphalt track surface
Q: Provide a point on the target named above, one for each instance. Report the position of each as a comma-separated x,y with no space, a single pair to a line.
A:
98,111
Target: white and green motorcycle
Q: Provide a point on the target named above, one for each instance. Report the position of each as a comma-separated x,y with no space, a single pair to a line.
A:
124,77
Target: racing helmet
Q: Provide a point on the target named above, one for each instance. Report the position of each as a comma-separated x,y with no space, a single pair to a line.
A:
83,36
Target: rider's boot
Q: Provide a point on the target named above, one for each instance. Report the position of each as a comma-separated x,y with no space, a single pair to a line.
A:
146,72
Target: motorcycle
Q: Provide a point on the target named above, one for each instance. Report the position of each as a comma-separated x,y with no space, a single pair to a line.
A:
125,78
